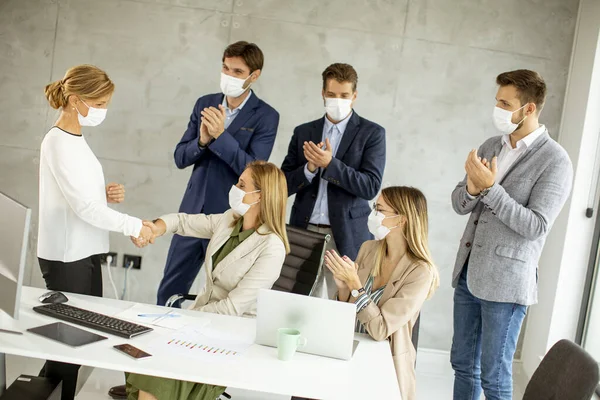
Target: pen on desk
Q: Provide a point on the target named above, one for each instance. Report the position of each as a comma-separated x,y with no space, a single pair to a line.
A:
158,315
13,332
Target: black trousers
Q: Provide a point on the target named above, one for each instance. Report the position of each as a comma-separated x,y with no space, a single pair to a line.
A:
83,277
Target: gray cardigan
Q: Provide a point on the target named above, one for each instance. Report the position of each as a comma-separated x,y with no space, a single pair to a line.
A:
508,227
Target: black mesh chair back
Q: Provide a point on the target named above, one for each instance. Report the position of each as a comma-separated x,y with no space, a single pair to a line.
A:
301,268
304,264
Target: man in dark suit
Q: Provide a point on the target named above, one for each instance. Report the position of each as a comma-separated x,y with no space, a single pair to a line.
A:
334,166
226,131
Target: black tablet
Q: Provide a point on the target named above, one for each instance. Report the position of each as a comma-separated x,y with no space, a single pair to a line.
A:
67,334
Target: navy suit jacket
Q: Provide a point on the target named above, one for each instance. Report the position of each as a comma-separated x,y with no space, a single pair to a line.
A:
217,167
354,177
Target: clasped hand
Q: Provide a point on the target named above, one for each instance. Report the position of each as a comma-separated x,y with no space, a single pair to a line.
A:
115,193
150,231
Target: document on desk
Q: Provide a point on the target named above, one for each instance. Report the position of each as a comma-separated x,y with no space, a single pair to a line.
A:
202,343
170,319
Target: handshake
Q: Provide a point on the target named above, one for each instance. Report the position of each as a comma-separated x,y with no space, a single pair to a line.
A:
150,231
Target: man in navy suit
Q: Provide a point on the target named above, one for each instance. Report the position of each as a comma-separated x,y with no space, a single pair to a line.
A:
334,166
226,131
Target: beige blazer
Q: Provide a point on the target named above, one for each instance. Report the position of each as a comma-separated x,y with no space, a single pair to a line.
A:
395,315
232,287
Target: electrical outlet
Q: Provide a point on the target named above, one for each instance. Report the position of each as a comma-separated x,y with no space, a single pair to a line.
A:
104,257
128,258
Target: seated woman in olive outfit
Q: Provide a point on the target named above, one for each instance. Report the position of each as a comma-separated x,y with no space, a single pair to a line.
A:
247,247
392,277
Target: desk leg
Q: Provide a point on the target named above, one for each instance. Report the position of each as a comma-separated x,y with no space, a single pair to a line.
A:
2,373
84,375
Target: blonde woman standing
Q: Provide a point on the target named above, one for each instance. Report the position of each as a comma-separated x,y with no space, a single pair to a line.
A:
247,247
392,277
74,217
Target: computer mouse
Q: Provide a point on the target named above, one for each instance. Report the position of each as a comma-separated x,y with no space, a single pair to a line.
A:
53,298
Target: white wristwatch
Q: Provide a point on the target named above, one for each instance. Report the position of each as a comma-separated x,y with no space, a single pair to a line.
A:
356,293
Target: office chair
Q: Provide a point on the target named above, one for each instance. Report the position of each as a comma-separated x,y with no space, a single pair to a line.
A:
302,267
567,372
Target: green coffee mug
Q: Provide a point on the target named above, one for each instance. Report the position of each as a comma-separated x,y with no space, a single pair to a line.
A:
288,340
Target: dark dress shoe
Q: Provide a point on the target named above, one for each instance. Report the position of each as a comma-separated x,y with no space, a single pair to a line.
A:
118,392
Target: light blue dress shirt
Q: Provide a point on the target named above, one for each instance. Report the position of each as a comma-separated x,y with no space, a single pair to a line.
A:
333,132
232,114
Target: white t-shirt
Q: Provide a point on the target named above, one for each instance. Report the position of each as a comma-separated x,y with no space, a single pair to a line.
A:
74,218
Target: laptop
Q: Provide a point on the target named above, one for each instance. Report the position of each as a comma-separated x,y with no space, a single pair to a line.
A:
327,325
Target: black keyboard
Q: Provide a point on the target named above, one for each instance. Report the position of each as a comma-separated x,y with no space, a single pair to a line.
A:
92,320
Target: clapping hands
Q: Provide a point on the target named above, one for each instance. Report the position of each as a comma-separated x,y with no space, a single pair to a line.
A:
150,231
344,270
212,122
481,173
318,155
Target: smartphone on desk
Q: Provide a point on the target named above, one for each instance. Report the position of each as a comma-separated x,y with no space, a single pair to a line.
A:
132,351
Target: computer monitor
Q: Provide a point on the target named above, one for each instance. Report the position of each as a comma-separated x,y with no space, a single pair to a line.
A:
14,234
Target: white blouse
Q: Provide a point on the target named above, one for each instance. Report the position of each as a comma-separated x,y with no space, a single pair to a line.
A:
74,218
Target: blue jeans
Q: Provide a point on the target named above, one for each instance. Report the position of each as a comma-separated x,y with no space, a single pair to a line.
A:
483,346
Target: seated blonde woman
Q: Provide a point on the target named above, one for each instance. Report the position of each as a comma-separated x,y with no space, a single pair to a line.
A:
391,278
246,251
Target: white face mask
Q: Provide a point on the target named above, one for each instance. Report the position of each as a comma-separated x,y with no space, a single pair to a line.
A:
232,86
236,200
376,228
503,120
94,117
338,109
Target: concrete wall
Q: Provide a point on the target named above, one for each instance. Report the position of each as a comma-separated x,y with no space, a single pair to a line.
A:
564,262
426,73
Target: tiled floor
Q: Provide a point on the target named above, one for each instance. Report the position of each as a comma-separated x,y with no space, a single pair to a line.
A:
434,379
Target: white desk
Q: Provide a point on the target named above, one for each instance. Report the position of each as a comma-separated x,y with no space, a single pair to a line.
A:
369,375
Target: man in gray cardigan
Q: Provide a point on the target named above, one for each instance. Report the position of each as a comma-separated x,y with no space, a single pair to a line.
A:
515,186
